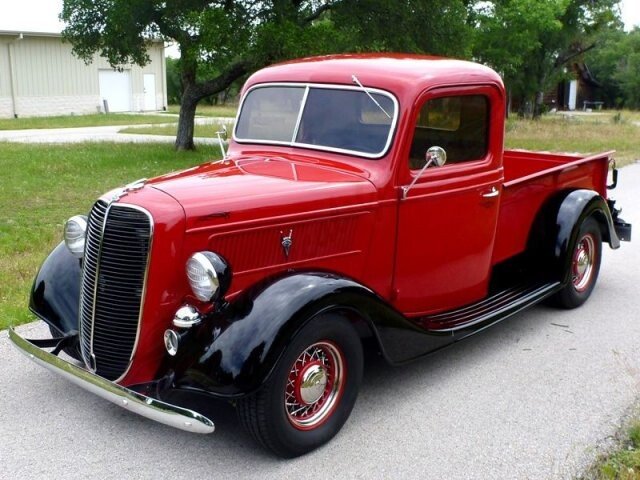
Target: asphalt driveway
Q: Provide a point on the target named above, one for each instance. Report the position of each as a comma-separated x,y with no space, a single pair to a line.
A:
536,397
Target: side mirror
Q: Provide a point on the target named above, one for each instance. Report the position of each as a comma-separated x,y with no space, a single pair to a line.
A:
434,156
223,134
222,137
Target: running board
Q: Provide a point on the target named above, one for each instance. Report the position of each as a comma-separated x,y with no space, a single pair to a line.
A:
491,309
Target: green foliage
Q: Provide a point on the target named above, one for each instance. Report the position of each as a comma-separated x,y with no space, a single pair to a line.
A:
532,42
174,82
618,118
625,463
437,27
615,63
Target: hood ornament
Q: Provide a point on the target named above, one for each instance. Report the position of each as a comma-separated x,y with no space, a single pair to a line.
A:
130,187
286,242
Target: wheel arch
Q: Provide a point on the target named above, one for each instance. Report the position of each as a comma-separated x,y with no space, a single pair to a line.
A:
556,227
55,294
247,338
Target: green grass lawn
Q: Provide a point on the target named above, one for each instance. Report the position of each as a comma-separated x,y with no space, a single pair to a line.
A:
210,110
70,121
41,186
203,131
585,134
623,464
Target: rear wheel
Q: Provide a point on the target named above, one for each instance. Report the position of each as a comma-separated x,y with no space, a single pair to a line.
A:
584,266
311,392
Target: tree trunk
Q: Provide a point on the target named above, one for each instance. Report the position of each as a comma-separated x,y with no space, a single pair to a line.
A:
538,105
194,92
184,136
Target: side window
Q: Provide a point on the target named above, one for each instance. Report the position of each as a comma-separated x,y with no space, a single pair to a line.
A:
459,124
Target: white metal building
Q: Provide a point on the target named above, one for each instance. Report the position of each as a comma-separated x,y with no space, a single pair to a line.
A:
40,76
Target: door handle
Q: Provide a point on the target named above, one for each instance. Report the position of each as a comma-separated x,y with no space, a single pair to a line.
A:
494,192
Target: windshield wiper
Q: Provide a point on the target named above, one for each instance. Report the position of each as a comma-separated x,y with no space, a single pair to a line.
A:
356,81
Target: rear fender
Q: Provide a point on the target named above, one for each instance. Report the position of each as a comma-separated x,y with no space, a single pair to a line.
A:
556,227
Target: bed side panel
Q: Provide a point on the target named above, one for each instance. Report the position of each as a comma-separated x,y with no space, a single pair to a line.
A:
532,179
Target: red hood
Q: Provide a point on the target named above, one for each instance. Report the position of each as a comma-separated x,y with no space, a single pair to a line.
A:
248,188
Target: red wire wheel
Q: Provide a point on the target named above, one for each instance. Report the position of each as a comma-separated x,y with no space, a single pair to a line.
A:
584,259
310,393
583,266
314,386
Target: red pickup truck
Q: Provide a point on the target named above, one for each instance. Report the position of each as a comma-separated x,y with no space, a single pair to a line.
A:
365,201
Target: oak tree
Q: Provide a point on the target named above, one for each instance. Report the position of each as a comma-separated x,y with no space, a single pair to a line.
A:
222,41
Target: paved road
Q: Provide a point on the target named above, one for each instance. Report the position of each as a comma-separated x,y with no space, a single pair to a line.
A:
100,134
534,398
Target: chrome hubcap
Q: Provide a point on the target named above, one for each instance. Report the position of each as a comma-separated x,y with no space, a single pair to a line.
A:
314,382
583,261
314,385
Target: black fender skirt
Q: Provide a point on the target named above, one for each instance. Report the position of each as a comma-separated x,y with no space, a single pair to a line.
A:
55,295
237,347
556,227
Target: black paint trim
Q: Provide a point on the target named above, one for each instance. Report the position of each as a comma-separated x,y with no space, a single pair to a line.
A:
237,348
55,294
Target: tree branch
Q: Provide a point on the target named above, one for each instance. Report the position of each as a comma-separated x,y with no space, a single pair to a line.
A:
315,15
562,60
226,78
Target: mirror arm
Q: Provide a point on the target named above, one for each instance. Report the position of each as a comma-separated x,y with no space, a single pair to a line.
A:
405,189
219,134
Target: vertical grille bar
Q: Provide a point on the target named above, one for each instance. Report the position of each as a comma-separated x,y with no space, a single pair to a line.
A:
95,224
115,267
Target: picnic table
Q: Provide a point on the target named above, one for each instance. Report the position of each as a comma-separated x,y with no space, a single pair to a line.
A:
595,105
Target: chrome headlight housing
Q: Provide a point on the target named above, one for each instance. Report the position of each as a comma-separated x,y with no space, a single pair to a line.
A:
75,232
209,275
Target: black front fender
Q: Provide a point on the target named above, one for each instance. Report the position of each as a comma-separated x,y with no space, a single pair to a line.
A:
247,338
55,295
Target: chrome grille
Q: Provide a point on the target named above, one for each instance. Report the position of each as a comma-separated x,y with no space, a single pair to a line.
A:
114,271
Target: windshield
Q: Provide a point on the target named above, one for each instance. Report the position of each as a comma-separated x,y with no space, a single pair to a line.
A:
341,119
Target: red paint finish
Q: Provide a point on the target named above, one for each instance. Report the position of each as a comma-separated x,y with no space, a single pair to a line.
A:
530,179
446,225
430,252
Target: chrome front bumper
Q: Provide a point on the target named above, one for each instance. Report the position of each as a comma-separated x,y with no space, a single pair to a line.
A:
154,409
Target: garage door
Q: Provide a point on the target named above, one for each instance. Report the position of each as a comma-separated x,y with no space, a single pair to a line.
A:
115,88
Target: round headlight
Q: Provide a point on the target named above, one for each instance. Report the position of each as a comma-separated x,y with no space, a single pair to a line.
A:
75,231
209,275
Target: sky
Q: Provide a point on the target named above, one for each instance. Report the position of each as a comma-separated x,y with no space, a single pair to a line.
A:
42,15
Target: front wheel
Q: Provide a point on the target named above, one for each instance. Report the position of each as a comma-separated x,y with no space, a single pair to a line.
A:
584,266
311,392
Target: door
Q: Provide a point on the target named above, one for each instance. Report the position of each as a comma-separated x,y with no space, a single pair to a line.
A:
150,91
115,89
447,222
573,94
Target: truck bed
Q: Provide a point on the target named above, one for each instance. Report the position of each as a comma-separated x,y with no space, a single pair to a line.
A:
530,178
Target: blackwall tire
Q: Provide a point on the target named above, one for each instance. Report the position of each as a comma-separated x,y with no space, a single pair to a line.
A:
584,266
311,392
